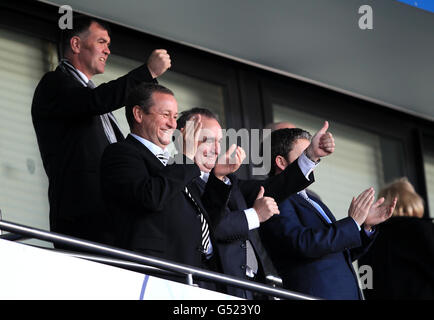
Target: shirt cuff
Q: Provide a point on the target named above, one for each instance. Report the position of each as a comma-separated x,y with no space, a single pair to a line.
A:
370,233
252,218
306,165
227,181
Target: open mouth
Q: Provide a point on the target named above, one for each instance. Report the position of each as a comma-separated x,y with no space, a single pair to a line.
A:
167,132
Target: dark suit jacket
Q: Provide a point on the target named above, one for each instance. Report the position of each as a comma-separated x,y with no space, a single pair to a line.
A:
231,235
311,255
232,230
150,210
71,140
402,260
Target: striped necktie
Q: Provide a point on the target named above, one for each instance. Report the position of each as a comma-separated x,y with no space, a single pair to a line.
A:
206,242
67,67
163,157
105,119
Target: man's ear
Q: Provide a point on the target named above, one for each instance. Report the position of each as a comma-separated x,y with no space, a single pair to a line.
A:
138,114
75,44
281,162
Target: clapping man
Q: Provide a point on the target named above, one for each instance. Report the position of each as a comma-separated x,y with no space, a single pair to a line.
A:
312,251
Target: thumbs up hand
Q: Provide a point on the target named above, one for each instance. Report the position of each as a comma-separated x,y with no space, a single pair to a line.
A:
261,193
265,207
322,144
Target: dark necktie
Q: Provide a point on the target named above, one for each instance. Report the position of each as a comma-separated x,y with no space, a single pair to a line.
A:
205,229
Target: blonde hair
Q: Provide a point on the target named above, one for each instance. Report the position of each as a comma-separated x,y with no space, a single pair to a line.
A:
409,203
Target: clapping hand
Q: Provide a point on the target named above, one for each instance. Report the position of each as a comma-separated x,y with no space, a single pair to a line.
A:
360,206
190,135
379,212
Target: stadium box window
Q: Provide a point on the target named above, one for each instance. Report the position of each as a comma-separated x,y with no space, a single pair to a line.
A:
23,182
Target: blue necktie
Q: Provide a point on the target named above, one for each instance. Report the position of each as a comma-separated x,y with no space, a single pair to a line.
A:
315,205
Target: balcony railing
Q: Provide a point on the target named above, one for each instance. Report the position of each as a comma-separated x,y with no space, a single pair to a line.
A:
140,262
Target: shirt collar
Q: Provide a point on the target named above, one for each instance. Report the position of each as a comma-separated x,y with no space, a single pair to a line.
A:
81,74
150,145
303,193
204,176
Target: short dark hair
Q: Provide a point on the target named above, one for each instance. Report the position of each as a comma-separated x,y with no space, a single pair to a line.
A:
282,142
142,96
80,25
188,114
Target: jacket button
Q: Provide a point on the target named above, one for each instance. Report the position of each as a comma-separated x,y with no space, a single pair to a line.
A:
243,266
243,245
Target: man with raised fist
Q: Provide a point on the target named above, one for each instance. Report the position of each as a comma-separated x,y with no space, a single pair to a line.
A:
73,124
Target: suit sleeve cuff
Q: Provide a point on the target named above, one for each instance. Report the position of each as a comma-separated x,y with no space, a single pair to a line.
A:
358,227
142,74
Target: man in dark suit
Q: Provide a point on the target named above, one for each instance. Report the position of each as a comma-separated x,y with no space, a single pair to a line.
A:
313,252
73,125
236,230
154,207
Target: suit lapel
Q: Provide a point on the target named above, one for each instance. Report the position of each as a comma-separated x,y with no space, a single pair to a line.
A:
154,161
150,157
116,128
196,194
236,198
304,203
323,206
200,184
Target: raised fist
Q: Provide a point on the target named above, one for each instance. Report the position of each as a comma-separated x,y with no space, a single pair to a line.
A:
158,62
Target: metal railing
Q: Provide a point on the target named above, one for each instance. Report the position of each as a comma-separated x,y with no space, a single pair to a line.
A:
125,258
